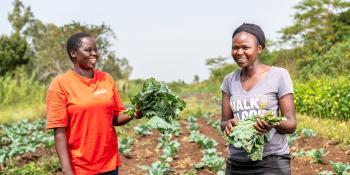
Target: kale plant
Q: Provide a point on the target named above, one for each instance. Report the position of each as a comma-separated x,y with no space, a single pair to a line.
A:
156,102
245,136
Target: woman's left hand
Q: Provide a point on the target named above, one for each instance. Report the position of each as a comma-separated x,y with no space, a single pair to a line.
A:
261,126
138,114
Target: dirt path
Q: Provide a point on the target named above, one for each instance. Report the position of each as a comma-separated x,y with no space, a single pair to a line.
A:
143,153
188,155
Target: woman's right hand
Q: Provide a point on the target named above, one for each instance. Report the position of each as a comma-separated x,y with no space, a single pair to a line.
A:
230,125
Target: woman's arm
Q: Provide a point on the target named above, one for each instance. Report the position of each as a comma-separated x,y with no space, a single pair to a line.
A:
287,107
122,119
62,150
227,120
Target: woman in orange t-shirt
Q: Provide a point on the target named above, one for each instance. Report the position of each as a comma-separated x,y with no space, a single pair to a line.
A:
83,106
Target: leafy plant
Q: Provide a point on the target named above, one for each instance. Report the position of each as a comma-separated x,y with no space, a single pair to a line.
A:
325,173
341,168
23,136
299,153
156,100
246,137
308,132
124,145
164,139
211,160
143,130
170,150
176,129
317,155
191,119
292,138
158,168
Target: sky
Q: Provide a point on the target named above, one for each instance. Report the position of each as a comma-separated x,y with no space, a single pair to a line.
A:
168,40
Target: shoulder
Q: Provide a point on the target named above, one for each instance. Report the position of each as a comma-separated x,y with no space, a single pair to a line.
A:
231,75
103,75
279,70
59,81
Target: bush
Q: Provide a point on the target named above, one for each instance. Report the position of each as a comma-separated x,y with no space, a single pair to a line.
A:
324,97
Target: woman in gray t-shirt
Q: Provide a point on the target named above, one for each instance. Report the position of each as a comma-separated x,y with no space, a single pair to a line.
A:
254,89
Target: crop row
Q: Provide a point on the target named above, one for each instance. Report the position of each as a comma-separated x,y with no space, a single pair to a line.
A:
22,137
211,158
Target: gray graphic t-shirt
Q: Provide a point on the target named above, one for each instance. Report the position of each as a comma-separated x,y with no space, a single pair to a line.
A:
259,99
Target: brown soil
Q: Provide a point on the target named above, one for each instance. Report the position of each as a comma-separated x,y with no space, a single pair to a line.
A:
189,153
304,165
143,153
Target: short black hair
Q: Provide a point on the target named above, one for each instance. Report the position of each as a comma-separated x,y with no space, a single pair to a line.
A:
74,42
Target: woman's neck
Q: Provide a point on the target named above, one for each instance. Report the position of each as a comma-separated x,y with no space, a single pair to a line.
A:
85,73
254,70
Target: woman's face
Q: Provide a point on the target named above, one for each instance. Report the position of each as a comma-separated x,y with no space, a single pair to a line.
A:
86,55
245,49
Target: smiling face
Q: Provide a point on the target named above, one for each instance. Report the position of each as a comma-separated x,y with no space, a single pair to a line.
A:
86,56
245,49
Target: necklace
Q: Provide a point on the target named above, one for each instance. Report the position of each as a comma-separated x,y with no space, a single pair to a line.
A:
256,75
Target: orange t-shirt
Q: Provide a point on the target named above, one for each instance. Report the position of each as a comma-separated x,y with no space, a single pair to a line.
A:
85,107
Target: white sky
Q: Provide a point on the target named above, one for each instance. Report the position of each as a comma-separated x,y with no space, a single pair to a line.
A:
168,40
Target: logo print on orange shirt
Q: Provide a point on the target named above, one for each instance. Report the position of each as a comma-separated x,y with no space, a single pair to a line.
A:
100,92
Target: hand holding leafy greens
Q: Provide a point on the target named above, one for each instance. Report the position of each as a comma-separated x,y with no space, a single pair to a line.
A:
245,136
156,102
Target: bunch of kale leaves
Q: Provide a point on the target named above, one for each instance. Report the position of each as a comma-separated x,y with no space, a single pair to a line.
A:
156,102
245,136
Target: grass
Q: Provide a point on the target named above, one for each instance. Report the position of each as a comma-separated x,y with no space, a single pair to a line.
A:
46,165
200,104
12,113
327,128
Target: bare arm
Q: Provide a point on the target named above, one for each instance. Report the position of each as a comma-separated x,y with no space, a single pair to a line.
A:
287,107
62,150
122,119
227,120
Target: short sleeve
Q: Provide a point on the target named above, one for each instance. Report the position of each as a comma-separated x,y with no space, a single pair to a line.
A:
225,85
118,104
56,106
285,84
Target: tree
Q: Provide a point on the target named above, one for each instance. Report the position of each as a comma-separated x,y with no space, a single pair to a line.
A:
119,68
216,62
196,79
20,16
315,27
12,53
49,45
219,68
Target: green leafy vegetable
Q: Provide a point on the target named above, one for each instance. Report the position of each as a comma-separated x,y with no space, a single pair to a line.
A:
124,145
317,155
156,100
158,168
246,137
341,168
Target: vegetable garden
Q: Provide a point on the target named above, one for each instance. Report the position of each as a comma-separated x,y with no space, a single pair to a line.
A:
193,145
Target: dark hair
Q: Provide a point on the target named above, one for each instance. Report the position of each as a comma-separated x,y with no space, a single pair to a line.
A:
74,42
254,30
